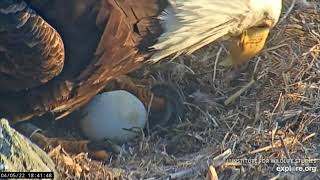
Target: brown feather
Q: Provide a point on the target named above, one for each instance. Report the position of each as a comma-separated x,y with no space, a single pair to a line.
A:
130,28
31,53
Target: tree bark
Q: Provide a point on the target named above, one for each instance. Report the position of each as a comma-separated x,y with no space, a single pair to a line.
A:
19,154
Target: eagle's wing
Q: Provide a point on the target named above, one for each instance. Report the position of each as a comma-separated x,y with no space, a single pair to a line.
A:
31,51
130,29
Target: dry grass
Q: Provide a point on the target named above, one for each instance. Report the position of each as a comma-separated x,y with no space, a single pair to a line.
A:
278,117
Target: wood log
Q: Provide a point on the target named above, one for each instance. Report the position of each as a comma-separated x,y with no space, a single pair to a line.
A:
19,154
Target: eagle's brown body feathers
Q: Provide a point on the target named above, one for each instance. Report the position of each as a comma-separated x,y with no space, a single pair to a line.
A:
31,51
102,39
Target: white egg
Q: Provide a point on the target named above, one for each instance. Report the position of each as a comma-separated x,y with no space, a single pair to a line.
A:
111,114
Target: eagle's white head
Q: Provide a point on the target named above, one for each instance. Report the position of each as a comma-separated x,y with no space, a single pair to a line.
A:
191,24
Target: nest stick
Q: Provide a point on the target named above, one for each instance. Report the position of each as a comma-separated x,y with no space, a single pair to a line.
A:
232,98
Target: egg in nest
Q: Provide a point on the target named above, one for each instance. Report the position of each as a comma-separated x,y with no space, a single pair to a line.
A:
113,115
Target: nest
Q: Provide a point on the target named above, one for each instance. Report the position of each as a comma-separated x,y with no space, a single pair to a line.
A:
273,124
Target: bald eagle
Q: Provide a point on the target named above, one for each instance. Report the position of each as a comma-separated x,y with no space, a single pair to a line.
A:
56,55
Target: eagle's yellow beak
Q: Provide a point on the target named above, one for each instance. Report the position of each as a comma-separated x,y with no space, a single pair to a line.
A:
246,45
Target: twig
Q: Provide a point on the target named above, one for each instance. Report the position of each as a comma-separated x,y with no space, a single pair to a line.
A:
206,114
232,98
257,112
201,167
273,134
277,105
309,137
182,174
270,147
285,149
212,173
288,11
216,64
